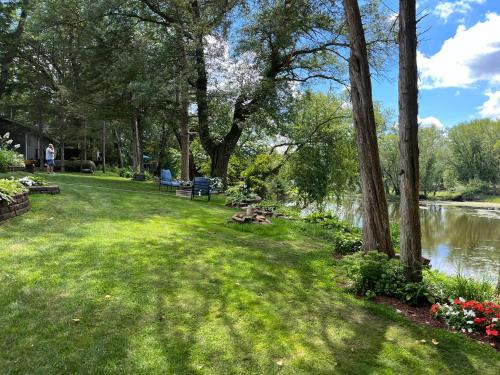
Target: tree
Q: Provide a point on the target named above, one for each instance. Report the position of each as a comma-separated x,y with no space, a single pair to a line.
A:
475,152
410,238
13,15
376,231
432,156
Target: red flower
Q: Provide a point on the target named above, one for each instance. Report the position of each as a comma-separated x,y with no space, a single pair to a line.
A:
456,301
491,332
479,320
434,308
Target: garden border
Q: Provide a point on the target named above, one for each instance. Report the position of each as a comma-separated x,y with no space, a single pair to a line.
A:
19,206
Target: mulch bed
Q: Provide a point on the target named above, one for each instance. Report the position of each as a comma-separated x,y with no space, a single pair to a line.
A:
421,315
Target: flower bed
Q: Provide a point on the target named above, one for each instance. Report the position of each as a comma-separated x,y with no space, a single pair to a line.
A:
469,316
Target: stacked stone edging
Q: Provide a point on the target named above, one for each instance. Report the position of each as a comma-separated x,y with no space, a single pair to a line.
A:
44,189
19,206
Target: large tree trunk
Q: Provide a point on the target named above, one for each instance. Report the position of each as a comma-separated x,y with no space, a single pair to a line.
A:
138,141
103,148
182,102
376,233
63,160
162,146
118,144
411,250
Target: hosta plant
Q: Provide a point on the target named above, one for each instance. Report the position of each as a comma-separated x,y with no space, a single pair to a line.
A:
9,189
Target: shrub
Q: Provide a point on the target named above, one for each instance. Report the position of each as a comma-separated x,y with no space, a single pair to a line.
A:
347,242
10,158
33,181
469,316
269,206
238,195
373,273
126,172
9,189
329,220
445,287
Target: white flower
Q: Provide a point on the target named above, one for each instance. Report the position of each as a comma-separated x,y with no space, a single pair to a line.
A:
470,322
6,135
463,330
461,299
16,146
470,330
9,141
494,320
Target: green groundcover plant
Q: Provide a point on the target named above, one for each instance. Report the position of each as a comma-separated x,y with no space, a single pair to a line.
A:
33,181
9,189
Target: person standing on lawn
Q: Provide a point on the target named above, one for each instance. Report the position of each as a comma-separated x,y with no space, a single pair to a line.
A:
50,154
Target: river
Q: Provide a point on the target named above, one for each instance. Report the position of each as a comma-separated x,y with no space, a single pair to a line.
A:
452,237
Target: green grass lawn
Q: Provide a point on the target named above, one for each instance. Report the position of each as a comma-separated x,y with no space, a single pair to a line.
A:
164,285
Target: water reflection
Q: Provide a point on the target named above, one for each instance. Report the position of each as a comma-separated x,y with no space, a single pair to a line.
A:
452,237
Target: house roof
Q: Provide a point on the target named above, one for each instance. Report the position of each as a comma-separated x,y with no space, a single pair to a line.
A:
24,127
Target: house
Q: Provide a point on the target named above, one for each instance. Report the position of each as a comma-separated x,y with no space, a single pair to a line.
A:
32,141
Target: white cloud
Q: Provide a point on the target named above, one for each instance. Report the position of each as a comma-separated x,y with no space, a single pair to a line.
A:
445,9
471,55
430,121
491,107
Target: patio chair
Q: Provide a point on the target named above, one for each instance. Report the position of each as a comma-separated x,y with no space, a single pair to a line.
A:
201,187
166,179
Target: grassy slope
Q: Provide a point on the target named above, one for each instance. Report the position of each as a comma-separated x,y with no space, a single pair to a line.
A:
166,285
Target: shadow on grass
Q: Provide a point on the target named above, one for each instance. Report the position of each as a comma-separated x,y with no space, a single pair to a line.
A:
163,285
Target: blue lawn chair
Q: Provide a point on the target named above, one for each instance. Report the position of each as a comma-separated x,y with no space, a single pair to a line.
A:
166,179
201,187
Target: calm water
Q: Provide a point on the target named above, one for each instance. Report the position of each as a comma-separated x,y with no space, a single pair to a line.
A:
452,237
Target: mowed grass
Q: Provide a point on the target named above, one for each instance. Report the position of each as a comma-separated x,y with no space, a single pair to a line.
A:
163,285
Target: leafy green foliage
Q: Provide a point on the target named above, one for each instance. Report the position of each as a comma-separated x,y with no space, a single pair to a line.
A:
347,242
373,273
324,163
445,287
10,188
238,195
475,150
9,157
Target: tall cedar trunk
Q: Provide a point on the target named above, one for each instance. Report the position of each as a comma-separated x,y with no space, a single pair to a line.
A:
162,154
103,148
84,140
182,101
138,141
134,145
184,133
118,145
376,233
63,160
411,250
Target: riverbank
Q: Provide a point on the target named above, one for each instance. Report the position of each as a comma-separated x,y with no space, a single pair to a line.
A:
112,276
468,204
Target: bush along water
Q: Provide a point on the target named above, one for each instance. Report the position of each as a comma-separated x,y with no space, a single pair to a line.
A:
373,273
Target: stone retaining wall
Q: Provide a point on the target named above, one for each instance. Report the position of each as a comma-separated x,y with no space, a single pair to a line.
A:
20,205
44,189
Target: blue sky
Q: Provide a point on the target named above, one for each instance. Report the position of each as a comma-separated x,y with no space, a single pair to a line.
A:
459,62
